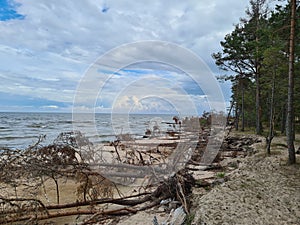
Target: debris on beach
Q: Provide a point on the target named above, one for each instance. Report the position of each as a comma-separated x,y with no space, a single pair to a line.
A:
176,217
159,171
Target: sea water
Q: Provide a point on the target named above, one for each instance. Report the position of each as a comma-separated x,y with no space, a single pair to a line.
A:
19,130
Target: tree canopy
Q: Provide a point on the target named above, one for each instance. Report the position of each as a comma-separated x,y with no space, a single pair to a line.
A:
255,58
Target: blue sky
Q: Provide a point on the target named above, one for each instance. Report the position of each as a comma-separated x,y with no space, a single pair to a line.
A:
46,47
8,11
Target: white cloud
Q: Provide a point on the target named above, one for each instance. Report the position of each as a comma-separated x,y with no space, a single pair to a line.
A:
81,28
50,107
45,54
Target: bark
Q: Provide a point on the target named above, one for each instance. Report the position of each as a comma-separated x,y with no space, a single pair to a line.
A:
271,118
57,189
243,112
229,113
290,104
236,122
257,105
283,119
115,144
257,78
125,201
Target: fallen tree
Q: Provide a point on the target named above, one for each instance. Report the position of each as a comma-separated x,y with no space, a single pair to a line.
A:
36,164
30,168
177,187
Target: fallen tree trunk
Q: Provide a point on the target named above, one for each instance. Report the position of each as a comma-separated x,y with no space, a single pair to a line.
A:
95,212
119,201
176,187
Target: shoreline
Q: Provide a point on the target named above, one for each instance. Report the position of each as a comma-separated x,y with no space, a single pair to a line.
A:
241,169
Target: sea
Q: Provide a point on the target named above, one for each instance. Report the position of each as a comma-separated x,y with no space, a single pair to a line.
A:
18,130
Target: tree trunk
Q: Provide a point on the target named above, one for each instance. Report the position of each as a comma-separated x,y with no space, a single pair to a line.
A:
236,122
257,105
271,119
243,112
57,189
229,113
290,104
257,74
283,119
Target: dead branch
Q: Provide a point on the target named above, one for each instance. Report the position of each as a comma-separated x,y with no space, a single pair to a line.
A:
176,187
13,203
115,144
119,201
58,161
116,212
47,216
105,215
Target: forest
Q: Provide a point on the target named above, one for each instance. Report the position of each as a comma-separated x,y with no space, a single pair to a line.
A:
261,59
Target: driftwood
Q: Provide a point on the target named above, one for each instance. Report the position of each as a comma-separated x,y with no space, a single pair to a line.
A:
118,201
58,160
46,214
176,187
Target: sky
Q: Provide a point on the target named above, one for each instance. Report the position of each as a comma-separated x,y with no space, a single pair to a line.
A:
47,48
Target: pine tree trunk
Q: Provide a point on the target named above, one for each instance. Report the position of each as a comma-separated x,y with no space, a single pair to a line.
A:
257,75
290,104
229,113
257,105
283,119
243,112
271,119
236,121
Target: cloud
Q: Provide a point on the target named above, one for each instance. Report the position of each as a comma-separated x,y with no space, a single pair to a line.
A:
15,102
46,47
120,78
50,107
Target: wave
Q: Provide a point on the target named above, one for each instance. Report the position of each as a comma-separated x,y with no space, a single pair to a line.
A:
22,129
37,125
64,122
8,138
